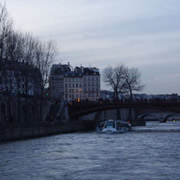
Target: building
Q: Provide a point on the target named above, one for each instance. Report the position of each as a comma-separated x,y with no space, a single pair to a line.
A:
56,80
91,83
76,84
106,95
19,78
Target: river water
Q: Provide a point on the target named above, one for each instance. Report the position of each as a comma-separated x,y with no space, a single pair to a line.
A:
151,152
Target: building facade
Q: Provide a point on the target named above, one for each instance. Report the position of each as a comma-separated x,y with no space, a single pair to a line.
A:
91,84
76,84
19,78
56,80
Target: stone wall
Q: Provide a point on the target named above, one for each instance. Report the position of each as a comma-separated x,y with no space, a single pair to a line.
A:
15,131
15,109
20,118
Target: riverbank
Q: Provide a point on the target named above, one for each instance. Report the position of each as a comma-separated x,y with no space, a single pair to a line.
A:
26,130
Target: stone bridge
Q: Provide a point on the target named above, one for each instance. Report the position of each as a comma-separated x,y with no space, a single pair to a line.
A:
131,111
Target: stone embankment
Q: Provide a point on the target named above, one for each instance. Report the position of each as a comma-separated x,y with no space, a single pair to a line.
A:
16,131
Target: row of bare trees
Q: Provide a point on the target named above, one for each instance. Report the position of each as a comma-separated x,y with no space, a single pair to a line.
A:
122,80
25,55
16,46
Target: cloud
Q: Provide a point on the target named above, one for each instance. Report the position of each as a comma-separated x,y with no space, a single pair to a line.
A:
143,34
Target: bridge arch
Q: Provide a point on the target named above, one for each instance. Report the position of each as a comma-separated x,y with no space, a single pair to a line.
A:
170,115
143,116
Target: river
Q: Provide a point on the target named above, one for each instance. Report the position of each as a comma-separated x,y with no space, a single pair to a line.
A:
151,152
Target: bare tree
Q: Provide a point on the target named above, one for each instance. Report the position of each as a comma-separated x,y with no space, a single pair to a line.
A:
122,80
133,81
115,78
29,44
44,57
23,47
28,58
6,27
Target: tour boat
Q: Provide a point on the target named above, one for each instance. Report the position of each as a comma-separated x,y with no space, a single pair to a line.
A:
113,126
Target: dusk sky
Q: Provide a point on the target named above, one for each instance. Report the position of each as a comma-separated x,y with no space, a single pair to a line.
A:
138,33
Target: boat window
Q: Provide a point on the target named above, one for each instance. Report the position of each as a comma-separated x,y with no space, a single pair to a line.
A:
110,124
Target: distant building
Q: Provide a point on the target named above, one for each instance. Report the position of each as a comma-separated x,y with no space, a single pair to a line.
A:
56,80
19,77
91,84
154,97
106,95
75,84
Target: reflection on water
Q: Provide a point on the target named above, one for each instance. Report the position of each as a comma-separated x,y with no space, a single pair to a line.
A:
156,126
150,152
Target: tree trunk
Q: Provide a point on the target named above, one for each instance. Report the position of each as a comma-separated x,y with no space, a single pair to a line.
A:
131,95
41,105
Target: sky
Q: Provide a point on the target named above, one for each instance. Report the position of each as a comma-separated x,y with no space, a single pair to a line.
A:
144,34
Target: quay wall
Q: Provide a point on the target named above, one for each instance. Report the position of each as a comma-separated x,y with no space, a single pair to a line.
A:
17,131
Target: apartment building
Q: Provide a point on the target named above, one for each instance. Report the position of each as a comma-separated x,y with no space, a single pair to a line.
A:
19,78
75,84
56,80
91,84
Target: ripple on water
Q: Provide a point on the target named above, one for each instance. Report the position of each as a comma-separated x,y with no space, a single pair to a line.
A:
144,155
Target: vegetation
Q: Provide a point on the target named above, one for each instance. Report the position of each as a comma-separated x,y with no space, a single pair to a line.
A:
122,80
22,55
16,46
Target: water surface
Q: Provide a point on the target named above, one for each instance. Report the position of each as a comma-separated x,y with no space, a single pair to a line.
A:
143,154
